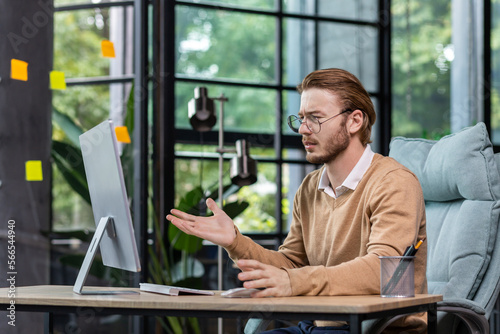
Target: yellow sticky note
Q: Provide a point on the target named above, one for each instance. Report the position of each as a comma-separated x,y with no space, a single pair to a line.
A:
57,80
34,170
108,49
18,69
122,134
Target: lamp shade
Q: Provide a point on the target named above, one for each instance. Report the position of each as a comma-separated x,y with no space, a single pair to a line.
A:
201,110
243,170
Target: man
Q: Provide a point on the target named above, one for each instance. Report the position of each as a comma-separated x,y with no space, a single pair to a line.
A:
358,206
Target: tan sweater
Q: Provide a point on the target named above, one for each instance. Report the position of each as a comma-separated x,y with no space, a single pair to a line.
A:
334,244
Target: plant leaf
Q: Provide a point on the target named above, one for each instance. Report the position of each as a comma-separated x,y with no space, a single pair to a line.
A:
69,127
190,202
129,118
182,241
75,260
69,161
195,325
175,324
127,157
233,209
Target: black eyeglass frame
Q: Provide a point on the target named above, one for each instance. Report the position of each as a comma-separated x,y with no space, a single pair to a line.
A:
293,118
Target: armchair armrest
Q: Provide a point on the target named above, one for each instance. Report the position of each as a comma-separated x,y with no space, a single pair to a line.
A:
462,303
469,312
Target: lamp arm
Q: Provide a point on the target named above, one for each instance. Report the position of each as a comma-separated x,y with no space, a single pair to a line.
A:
221,151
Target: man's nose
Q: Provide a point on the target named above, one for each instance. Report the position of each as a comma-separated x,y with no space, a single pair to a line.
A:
303,128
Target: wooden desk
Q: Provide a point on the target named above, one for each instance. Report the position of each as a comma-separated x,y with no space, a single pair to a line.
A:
355,309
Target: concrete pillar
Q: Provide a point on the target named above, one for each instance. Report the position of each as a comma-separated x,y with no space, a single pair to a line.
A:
25,134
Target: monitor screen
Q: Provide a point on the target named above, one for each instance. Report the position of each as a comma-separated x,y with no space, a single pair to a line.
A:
114,231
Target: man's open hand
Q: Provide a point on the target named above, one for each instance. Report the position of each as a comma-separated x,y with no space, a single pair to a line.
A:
218,228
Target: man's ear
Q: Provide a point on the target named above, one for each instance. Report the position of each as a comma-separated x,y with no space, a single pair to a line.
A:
355,121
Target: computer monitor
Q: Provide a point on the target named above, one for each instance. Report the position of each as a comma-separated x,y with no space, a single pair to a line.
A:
114,233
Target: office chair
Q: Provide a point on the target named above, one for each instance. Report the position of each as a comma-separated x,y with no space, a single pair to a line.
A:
460,179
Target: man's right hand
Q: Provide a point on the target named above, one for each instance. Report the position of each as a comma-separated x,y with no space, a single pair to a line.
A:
218,228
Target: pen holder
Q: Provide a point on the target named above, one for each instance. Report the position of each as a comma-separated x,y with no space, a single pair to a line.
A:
397,276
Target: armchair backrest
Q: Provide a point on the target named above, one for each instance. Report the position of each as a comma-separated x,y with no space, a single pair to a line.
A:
460,179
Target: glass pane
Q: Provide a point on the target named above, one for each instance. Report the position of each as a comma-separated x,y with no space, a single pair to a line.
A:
495,72
193,173
251,4
291,106
299,7
298,50
421,50
247,109
259,217
226,45
85,105
375,144
77,42
355,9
58,3
352,48
293,174
69,210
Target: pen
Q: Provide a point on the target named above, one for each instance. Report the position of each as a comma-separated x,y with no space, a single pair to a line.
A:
415,248
409,250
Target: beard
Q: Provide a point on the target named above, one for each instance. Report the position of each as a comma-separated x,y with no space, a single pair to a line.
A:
333,148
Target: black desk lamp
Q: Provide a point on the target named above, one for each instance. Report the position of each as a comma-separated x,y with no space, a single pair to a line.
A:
243,169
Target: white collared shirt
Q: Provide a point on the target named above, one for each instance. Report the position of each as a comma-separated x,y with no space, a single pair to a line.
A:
352,180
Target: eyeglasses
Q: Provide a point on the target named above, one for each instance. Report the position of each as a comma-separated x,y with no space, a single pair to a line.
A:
312,123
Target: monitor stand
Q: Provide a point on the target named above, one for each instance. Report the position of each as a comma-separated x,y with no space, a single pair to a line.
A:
106,224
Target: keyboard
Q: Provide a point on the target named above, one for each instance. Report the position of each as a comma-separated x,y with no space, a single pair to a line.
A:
172,290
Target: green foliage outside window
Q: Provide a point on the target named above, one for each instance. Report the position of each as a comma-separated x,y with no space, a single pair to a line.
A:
421,34
495,71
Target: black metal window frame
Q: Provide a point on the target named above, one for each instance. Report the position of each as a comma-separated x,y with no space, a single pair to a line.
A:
168,135
487,26
165,135
104,80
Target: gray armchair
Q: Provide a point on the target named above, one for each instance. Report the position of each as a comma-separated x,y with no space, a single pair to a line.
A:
460,178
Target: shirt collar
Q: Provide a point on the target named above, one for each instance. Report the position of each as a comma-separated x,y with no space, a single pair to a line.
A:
352,180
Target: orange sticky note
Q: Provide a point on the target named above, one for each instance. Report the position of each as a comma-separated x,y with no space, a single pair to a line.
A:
34,170
18,69
122,134
57,80
108,49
